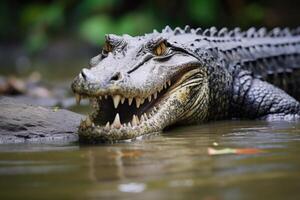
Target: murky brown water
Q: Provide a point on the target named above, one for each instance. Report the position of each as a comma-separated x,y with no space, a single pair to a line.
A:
172,165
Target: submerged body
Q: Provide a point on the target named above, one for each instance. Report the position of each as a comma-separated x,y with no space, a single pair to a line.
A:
140,85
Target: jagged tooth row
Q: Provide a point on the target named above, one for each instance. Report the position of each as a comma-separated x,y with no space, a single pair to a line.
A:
117,99
135,121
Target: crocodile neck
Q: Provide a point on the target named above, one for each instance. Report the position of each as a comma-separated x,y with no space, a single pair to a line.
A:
271,56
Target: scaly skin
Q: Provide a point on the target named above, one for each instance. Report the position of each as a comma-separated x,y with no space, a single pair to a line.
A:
189,76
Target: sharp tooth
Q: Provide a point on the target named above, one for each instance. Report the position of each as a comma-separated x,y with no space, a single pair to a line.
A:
78,98
93,125
142,101
165,85
117,122
169,82
134,121
138,102
105,96
88,121
129,125
100,97
155,95
137,119
130,101
149,98
116,100
107,125
122,100
142,118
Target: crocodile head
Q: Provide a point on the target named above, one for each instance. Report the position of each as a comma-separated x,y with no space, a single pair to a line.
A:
140,85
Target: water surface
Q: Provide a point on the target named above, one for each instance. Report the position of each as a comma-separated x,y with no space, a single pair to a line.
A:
171,165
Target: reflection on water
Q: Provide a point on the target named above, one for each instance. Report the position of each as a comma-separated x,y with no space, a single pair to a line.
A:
172,165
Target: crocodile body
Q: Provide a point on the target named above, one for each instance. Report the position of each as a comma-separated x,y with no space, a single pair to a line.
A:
188,76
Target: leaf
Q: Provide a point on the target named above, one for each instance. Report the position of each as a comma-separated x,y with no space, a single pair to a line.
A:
212,151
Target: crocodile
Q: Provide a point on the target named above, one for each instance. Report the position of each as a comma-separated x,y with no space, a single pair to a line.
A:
141,85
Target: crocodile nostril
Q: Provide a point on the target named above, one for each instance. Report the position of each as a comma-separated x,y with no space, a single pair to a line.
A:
86,74
83,74
117,76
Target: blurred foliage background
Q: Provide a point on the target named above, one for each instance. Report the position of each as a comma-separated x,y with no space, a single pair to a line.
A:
66,33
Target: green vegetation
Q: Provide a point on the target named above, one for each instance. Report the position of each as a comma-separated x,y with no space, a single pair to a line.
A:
36,23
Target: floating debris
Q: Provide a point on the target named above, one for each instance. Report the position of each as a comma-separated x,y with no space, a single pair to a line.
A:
212,151
215,144
132,187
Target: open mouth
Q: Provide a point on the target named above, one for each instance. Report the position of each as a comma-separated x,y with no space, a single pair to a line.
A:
119,116
116,111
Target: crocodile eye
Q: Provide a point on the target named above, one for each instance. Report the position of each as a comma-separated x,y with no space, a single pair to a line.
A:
160,49
107,48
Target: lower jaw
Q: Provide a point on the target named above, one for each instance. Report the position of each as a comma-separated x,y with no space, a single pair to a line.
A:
94,134
102,135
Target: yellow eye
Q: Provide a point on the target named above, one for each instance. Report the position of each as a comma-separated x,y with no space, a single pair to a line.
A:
107,47
160,49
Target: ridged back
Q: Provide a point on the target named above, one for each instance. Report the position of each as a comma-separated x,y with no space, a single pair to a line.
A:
273,56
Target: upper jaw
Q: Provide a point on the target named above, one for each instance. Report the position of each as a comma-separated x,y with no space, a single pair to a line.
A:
118,94
83,88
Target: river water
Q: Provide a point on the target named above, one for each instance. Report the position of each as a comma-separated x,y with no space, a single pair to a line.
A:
171,165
